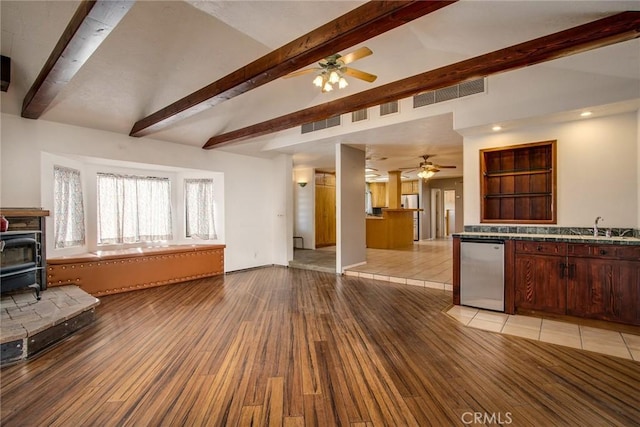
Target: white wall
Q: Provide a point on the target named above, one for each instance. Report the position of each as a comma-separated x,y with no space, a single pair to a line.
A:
350,208
248,206
283,210
305,207
597,169
541,90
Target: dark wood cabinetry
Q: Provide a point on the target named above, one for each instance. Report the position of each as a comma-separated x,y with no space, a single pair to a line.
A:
540,277
518,183
605,287
585,280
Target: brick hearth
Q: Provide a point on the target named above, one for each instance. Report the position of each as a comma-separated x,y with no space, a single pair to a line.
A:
29,326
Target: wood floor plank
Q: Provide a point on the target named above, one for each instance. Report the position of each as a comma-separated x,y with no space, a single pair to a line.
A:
274,403
278,346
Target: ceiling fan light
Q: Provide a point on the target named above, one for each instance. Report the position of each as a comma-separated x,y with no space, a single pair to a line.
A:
327,87
424,174
342,83
334,77
318,81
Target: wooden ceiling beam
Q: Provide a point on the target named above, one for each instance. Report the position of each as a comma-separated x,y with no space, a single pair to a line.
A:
614,29
87,29
367,21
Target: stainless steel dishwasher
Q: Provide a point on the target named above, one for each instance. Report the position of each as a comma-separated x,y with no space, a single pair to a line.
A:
482,273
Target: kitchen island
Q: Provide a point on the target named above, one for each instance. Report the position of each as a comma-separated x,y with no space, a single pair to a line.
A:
394,229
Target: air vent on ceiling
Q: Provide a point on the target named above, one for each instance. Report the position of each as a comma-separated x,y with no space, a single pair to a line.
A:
389,108
321,124
447,93
359,115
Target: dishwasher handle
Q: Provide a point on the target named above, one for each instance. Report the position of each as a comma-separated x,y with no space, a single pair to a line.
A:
476,240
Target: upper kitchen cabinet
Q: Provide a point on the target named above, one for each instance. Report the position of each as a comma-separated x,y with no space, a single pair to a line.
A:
378,194
410,187
518,183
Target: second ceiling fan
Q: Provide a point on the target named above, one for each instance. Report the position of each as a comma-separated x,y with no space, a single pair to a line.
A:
333,68
427,169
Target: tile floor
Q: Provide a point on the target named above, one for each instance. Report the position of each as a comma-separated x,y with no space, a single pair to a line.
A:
613,343
426,263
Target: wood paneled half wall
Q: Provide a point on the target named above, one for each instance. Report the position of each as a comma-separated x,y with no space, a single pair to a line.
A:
111,272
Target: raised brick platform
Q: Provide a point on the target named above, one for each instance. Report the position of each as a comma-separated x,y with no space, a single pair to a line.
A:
29,326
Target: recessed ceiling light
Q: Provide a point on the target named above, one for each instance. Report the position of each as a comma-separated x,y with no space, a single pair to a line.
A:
496,128
586,114
371,170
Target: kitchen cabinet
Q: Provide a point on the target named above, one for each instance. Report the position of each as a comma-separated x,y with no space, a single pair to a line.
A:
584,280
540,282
518,183
378,194
603,282
410,187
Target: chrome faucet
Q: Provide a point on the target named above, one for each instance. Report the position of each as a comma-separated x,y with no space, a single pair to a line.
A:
595,226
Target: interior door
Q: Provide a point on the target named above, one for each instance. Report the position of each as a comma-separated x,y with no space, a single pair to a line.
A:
325,211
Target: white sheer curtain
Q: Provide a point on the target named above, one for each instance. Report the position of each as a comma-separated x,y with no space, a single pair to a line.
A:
68,209
199,208
133,209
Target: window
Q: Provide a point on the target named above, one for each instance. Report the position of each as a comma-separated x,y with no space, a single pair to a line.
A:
68,209
133,209
198,195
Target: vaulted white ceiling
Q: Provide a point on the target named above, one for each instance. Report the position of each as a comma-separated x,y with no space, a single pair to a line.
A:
163,50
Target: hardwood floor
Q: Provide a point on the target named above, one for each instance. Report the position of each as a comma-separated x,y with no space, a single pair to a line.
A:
289,347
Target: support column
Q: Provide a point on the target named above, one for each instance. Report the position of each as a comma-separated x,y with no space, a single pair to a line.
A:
394,189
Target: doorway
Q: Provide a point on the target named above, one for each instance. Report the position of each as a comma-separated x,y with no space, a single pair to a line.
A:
449,212
436,214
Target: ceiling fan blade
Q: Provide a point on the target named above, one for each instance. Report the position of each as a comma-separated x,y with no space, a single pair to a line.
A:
301,72
408,169
360,74
355,55
444,167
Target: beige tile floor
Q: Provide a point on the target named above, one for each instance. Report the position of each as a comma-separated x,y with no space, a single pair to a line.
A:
610,342
426,263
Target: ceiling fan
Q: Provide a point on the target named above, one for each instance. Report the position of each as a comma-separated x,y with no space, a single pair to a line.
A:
427,169
333,68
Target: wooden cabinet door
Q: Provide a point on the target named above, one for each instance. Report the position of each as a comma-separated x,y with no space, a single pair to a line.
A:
540,283
604,289
325,215
410,187
378,194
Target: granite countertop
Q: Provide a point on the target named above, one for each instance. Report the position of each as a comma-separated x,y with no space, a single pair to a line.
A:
569,238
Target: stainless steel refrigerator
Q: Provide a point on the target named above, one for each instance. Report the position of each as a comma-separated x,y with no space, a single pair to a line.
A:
410,201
